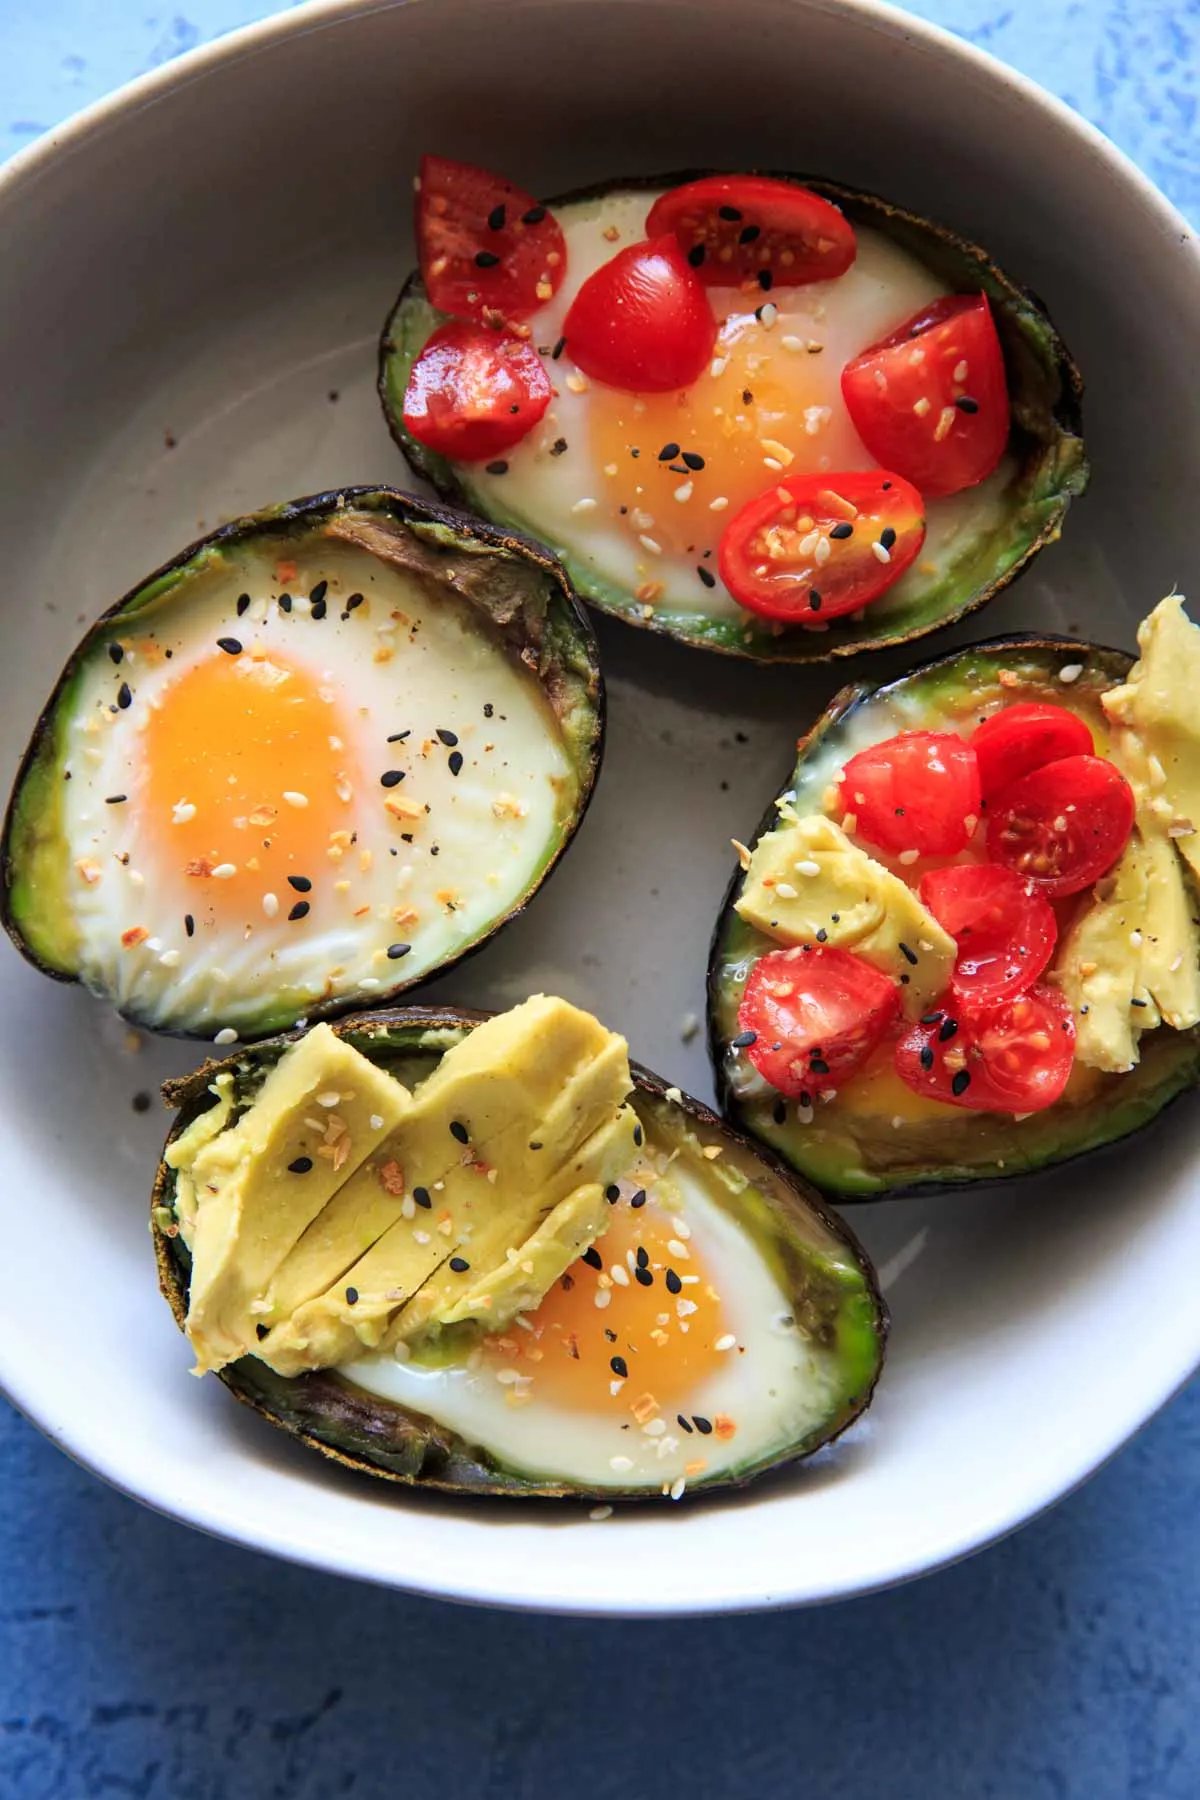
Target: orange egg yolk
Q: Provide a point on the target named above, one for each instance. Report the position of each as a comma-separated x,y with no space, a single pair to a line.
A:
662,1332
767,412
248,771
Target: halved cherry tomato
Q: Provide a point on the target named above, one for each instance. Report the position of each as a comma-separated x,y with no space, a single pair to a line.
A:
917,791
488,250
814,547
1020,738
1011,1057
752,228
642,321
474,392
1064,825
931,399
810,1017
1005,930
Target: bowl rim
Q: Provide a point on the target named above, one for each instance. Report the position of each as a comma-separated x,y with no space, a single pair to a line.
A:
305,1546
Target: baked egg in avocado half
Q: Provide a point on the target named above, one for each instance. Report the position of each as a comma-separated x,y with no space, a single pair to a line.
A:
488,1255
965,942
768,416
321,754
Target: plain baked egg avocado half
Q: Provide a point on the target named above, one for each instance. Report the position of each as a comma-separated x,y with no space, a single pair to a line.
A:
773,418
965,943
489,1255
321,754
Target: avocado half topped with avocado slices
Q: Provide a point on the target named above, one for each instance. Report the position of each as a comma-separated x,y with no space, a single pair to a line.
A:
773,418
484,1254
322,753
966,942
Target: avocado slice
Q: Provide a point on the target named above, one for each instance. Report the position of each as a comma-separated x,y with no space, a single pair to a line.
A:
449,632
876,1139
1021,507
812,1260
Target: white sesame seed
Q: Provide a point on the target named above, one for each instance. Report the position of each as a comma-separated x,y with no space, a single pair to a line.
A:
225,871
908,857
1177,964
718,366
921,407
945,421
880,552
600,1513
169,959
654,1427
807,867
773,463
621,1464
619,1274
586,505
719,504
681,1228
767,315
677,1488
683,491
792,343
376,1121
420,1237
408,1207
822,553
226,1035
677,1247
577,383
1135,939
960,370
1070,672
725,1343
648,543
293,798
785,890
270,905
182,812
368,984
603,1297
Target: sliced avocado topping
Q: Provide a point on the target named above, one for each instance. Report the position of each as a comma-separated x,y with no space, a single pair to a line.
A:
978,542
1129,963
568,1152
326,751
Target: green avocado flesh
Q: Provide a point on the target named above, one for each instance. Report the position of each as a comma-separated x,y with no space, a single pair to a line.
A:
977,541
432,681
811,1359
859,1146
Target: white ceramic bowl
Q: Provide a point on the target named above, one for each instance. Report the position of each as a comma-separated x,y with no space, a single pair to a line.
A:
196,272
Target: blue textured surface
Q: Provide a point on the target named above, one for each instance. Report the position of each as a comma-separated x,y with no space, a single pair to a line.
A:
138,1659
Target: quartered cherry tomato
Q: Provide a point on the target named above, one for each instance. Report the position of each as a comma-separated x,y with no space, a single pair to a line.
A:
488,250
1015,1056
931,399
809,1018
814,547
1064,825
1005,930
474,392
1020,738
917,791
751,228
642,321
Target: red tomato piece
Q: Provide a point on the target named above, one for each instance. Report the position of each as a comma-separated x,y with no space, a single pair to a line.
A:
1020,738
1005,930
642,321
810,1017
918,791
868,525
1012,1057
931,400
1064,825
738,229
488,250
474,392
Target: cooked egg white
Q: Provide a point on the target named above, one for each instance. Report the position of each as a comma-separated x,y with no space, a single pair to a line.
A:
275,802
621,1379
590,479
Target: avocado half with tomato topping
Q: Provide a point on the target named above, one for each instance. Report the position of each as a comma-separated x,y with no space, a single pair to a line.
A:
501,1260
317,756
634,491
1127,957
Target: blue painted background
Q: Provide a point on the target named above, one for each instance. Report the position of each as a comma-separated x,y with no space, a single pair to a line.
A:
138,1659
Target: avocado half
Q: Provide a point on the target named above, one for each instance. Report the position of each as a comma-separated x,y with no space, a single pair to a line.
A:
830,1283
1046,445
506,602
853,1150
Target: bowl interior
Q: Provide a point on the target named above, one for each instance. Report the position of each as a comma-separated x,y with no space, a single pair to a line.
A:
205,267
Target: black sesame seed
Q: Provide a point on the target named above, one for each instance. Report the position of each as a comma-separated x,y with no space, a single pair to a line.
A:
262,1331
459,1132
558,349
398,737
818,1065
116,799
668,453
674,1284
534,216
319,609
744,1039
591,1257
887,537
459,1264
391,778
696,255
779,1112
703,1426
455,761
885,486
926,1057
497,217
558,447
353,602
910,956
285,603
694,460
612,1193
488,710
301,910
638,1136
766,280
904,980
423,1197
115,653
189,924
396,951
643,1277
931,1018
497,468
949,1027
230,645
449,738
319,592
706,576
535,1146
844,530
814,600
243,605
748,234
638,1199
124,696
961,1083
1137,1003
643,1257
822,935
301,883
486,259
965,404
619,1366
684,1424
351,1296
730,213
301,1166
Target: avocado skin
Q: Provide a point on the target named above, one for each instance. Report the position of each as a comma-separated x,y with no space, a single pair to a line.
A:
559,635
1046,394
376,1437
1123,1105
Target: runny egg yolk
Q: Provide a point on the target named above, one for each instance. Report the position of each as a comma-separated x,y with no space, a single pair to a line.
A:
661,1332
247,771
772,408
